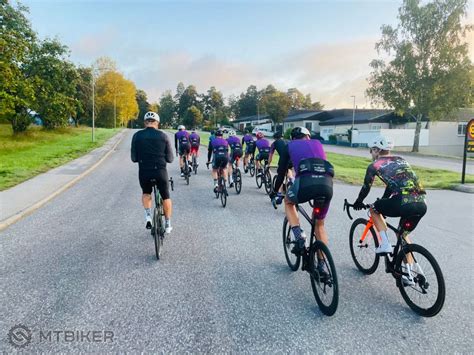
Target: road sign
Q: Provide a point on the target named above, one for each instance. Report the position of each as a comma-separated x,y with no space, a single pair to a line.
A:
468,146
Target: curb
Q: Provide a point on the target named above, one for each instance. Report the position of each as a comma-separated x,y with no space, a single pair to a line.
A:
15,218
466,188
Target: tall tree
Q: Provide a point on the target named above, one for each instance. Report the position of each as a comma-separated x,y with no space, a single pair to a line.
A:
143,105
55,83
193,117
17,92
167,109
248,102
277,104
179,91
428,75
83,96
213,101
188,98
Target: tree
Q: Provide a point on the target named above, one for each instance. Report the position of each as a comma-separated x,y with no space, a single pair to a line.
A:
297,99
188,98
248,101
179,91
193,117
167,109
16,43
83,95
213,101
143,105
429,73
55,81
277,105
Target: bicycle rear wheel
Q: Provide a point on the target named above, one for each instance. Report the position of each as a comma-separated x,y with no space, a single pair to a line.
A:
157,230
268,182
252,168
426,296
238,181
323,282
223,194
186,171
259,180
363,253
195,168
292,260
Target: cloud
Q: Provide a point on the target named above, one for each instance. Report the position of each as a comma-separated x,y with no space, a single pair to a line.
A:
91,46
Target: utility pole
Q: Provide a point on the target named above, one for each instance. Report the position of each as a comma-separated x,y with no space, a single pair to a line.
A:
93,105
353,118
115,110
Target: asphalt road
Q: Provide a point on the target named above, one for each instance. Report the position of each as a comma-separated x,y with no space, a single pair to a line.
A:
84,262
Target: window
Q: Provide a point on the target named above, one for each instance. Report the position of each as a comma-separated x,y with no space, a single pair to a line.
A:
308,126
291,125
376,127
462,128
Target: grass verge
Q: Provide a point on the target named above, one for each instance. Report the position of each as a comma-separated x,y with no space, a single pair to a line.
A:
38,150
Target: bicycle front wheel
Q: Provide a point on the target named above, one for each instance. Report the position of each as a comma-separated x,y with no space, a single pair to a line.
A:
268,182
363,252
426,294
292,260
238,181
157,227
259,180
252,169
323,278
224,195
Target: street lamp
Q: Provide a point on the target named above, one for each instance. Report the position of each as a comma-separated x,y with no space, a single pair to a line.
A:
93,104
353,118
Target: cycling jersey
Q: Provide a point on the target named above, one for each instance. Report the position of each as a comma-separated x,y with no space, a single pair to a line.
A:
280,145
397,175
236,148
181,141
219,149
194,139
249,143
263,146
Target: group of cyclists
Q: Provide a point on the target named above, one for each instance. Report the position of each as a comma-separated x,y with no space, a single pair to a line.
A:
302,161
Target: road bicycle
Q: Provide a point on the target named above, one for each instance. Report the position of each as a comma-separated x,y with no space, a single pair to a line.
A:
236,176
158,227
323,280
251,166
195,164
416,271
264,177
186,169
221,190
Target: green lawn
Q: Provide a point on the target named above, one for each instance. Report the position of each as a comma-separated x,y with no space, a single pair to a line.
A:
35,151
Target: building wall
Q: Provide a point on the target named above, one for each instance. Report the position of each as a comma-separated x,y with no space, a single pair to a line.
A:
444,139
326,131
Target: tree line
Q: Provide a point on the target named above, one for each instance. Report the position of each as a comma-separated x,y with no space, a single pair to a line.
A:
36,76
211,108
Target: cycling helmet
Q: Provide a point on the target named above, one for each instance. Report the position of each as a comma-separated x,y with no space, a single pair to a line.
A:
259,135
231,133
299,132
151,116
213,132
277,135
219,133
381,142
180,127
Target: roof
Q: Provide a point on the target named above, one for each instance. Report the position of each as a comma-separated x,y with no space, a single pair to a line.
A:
340,117
251,118
304,115
461,115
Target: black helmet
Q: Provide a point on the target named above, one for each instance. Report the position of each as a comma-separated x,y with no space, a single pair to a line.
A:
277,135
299,132
219,133
213,132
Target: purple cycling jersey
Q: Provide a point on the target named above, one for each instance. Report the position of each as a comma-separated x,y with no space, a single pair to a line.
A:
302,149
219,142
195,139
233,141
247,138
182,137
262,144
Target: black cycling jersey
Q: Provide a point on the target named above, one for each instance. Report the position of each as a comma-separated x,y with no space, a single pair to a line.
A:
151,149
280,145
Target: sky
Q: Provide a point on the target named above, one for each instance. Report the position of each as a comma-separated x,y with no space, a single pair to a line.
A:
320,47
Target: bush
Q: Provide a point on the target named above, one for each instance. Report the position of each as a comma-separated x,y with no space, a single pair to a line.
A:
287,134
333,139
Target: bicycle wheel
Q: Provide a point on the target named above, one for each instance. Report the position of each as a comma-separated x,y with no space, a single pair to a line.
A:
426,296
157,227
363,253
274,182
259,180
325,286
268,182
195,168
292,259
252,168
238,181
186,171
223,194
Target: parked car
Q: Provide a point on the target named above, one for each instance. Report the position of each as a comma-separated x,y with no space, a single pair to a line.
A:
266,132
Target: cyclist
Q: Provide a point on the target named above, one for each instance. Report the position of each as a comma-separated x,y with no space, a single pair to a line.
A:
219,150
182,146
249,142
151,149
235,153
195,143
263,146
313,180
403,196
280,146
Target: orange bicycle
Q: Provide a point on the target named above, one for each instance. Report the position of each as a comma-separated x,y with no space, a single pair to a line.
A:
416,271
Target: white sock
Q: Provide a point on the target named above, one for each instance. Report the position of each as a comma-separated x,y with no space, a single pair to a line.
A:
384,236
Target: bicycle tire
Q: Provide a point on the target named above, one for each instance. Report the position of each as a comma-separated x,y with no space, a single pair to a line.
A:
223,194
363,252
274,182
268,182
156,233
421,281
186,171
259,180
195,168
322,286
288,245
252,168
238,181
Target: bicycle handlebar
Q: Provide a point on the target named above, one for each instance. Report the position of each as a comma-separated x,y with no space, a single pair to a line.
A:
347,206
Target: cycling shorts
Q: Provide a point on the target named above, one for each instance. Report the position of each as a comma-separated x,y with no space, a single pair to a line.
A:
236,153
195,149
249,149
393,207
262,156
161,177
184,149
220,162
312,187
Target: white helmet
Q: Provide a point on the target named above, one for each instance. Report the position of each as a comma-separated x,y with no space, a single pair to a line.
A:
232,133
152,116
382,143
180,127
